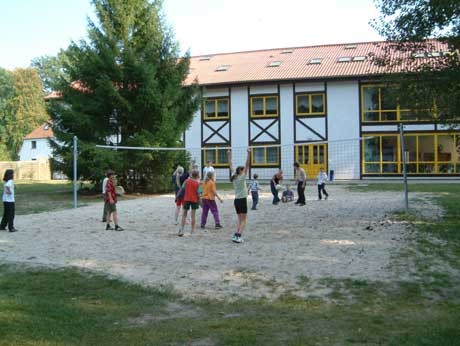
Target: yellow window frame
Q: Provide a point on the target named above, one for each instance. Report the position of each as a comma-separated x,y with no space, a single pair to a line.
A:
310,104
215,161
265,164
435,163
216,108
380,162
264,107
381,111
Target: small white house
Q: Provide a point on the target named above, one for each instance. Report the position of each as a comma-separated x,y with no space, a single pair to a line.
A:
36,144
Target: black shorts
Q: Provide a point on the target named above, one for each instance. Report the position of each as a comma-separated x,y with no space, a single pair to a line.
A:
241,205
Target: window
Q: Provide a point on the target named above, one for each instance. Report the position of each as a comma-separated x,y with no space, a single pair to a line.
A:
218,156
216,108
274,64
34,144
382,104
344,59
424,154
310,104
222,68
265,156
264,106
316,61
359,58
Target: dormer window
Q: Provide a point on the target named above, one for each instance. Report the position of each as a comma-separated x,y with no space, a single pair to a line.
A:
221,68
274,64
315,61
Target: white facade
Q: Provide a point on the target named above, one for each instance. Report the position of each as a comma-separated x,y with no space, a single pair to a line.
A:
339,135
34,149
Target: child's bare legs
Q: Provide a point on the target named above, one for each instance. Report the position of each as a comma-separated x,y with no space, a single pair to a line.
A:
176,214
193,219
182,224
241,223
115,218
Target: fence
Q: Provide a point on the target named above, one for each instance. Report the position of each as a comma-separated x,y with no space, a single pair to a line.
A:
38,170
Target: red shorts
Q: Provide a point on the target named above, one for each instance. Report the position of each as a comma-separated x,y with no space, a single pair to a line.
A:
179,202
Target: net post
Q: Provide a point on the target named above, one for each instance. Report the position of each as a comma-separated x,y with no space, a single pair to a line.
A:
403,152
75,171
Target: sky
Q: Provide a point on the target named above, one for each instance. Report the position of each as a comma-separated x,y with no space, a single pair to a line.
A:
33,28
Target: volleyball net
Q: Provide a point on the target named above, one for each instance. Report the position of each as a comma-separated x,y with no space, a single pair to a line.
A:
341,159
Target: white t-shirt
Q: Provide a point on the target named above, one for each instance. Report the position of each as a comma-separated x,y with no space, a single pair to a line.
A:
206,170
8,197
322,178
104,184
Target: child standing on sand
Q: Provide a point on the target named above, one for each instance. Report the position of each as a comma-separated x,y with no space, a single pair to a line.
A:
191,199
208,200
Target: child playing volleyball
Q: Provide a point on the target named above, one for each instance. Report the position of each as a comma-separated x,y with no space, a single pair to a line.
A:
322,178
178,178
209,200
241,194
191,199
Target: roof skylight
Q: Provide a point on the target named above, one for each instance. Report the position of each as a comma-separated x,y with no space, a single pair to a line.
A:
344,59
316,61
287,51
274,64
350,46
221,68
205,58
359,58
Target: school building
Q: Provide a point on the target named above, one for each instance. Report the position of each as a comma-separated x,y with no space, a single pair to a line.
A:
312,105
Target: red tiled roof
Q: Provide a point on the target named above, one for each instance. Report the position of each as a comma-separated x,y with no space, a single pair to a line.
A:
252,66
44,131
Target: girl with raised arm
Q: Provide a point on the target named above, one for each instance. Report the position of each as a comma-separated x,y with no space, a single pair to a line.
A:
238,179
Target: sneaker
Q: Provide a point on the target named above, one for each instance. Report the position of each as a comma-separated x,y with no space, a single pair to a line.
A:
180,233
326,197
301,204
109,228
13,230
238,239
234,238
218,226
118,228
2,228
202,227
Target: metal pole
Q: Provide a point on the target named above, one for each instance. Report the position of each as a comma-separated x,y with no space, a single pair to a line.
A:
75,171
403,150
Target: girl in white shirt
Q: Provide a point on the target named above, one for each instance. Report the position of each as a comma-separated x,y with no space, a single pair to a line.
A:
8,201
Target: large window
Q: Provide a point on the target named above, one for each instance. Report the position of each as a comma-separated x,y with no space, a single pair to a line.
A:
381,155
382,104
217,108
424,154
310,104
217,156
264,106
265,156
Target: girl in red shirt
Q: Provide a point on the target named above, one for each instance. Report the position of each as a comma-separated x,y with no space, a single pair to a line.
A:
191,199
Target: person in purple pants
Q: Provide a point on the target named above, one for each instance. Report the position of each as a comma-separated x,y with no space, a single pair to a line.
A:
208,200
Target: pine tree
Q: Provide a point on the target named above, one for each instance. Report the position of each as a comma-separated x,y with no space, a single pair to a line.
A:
125,85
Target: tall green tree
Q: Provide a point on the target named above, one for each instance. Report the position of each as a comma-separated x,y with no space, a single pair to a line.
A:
6,94
22,108
429,78
27,107
50,69
124,85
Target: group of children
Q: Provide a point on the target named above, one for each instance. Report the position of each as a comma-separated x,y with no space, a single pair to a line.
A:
190,194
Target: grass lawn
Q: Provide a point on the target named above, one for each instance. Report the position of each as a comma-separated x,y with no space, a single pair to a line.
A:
67,307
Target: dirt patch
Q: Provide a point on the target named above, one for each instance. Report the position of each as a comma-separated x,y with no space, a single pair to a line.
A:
350,235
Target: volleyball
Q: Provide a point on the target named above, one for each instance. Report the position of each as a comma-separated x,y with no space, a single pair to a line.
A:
278,187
